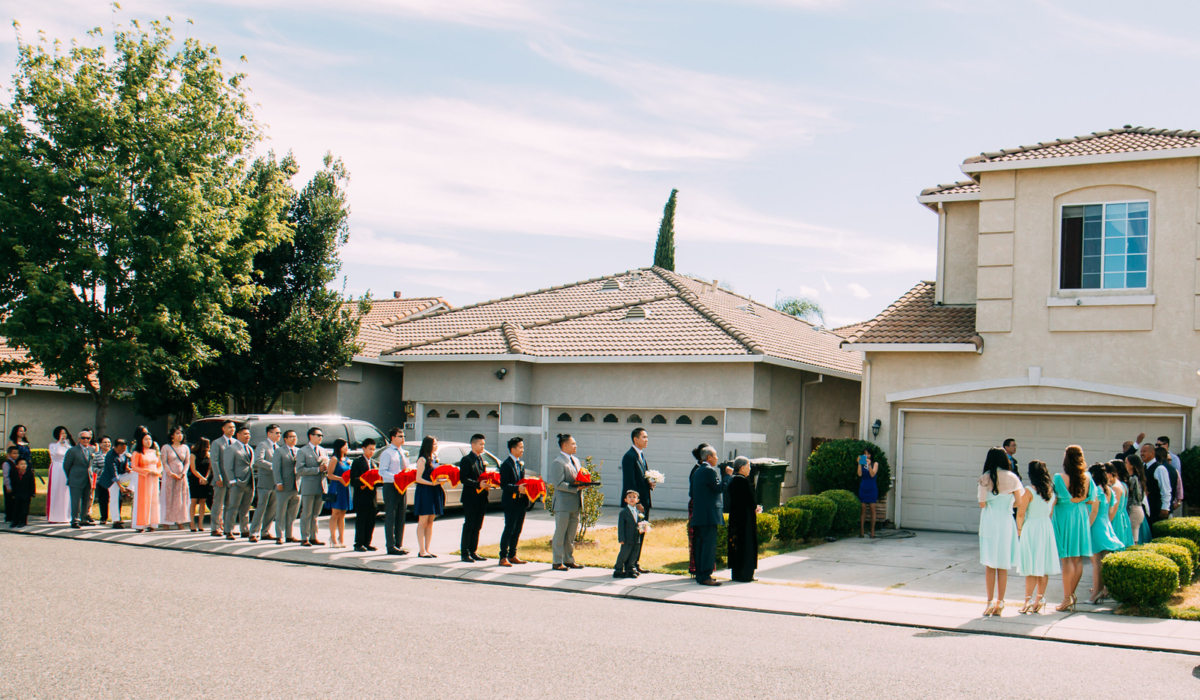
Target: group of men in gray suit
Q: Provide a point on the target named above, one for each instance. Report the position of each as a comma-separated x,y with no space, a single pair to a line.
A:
77,464
567,502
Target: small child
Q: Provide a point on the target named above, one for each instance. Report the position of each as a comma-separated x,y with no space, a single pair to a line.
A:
23,488
627,535
9,466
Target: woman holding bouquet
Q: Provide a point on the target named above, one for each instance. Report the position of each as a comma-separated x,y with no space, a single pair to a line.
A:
743,523
430,498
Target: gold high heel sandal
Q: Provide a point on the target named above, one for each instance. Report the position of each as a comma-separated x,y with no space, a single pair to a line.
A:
999,608
1068,605
1039,605
990,609
1027,606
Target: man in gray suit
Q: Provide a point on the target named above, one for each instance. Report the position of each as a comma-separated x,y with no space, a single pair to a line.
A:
287,499
78,465
220,486
237,465
566,504
311,463
264,485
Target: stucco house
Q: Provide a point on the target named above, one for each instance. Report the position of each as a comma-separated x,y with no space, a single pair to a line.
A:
1065,310
686,360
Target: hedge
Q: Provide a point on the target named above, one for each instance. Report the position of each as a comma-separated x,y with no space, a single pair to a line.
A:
823,511
768,526
1187,544
1188,528
1189,462
1180,555
834,465
1140,577
41,458
793,523
849,510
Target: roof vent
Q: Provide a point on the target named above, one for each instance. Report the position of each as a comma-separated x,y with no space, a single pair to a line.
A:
610,286
636,313
748,308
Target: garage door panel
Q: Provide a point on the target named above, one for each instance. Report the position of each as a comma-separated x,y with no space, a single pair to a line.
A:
440,422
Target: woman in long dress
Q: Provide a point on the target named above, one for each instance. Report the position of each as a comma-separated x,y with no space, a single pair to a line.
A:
999,548
146,465
176,463
1038,559
58,495
742,530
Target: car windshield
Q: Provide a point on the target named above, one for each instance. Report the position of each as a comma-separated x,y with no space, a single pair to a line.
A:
490,461
205,428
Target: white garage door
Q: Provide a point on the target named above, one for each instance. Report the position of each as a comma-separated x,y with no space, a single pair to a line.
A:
458,422
603,434
944,453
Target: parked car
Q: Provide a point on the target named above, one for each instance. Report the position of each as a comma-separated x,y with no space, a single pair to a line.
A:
332,427
447,453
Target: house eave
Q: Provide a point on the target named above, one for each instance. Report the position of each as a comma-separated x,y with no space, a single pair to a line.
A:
913,347
1162,154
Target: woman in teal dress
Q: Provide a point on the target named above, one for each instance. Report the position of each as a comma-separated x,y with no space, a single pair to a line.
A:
1038,559
998,545
1117,479
1104,538
1072,517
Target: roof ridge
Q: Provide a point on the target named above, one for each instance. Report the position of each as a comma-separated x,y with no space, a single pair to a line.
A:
596,312
512,337
431,302
1127,129
747,299
528,294
694,301
441,338
871,323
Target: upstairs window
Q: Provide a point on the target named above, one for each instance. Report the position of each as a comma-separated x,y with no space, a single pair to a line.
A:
1105,246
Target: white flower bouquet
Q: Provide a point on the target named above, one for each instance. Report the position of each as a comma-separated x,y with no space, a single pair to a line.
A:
655,476
644,526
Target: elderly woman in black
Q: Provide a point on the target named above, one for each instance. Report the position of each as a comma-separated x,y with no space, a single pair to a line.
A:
743,523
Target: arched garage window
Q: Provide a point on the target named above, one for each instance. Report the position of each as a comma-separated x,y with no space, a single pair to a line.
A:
493,414
660,419
611,418
472,413
564,418
587,418
433,413
452,414
633,418
683,420
709,420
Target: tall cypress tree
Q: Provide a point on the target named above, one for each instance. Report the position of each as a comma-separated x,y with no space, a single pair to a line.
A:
664,250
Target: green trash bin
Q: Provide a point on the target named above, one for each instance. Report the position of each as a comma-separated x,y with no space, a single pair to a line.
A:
768,476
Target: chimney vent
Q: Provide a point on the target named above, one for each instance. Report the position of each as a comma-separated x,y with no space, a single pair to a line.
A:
396,295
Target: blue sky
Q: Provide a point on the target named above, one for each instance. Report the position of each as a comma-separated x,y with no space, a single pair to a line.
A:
499,146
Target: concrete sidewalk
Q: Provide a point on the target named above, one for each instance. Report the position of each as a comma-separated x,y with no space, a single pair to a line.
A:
931,580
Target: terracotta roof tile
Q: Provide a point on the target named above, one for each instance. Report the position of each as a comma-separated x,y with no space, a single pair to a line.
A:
961,187
1127,139
30,377
914,318
849,330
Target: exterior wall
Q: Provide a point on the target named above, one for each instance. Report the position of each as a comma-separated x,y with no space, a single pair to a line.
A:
959,269
363,391
41,410
831,410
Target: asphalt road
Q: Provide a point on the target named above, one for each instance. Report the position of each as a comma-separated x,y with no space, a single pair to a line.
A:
95,620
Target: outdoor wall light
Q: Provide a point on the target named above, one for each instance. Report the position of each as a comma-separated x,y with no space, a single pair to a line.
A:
500,373
875,427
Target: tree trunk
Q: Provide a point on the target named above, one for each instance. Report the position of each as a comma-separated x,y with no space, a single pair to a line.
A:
102,400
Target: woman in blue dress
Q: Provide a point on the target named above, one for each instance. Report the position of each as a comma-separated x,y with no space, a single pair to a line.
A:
1119,480
430,498
1104,538
1073,515
1039,554
998,545
338,495
868,491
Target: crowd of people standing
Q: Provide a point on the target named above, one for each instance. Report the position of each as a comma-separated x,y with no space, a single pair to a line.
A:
1081,513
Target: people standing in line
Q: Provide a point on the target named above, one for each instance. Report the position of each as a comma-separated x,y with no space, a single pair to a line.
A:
627,537
287,495
237,471
999,548
364,497
23,487
1118,480
146,464
567,502
100,494
77,466
199,481
311,465
264,484
220,488
430,499
633,476
474,498
514,500
174,497
1137,494
742,530
707,486
691,531
1037,558
10,462
1158,482
868,490
1074,511
58,494
1104,539
338,496
392,461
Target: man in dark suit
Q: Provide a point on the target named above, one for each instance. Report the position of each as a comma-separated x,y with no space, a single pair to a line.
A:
514,500
78,466
364,498
474,498
707,485
633,478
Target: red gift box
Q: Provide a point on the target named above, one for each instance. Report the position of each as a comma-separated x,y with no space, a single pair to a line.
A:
534,488
370,479
344,478
447,470
491,477
583,477
405,479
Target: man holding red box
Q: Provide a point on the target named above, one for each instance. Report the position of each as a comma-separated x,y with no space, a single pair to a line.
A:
474,498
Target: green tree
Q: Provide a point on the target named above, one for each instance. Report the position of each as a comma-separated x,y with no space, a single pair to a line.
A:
125,222
664,248
800,307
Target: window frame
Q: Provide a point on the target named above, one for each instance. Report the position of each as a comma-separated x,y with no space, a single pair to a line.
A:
1057,270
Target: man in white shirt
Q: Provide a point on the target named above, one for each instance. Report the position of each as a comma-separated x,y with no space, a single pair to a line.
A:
392,461
1177,484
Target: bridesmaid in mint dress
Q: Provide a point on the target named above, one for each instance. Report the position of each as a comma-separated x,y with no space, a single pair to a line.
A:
1104,538
1117,480
1038,559
998,545
1072,517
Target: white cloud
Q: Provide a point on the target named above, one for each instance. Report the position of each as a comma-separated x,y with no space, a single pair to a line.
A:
809,292
859,291
828,286
365,247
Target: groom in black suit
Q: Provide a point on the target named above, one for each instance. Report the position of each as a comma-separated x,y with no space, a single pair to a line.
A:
514,500
633,478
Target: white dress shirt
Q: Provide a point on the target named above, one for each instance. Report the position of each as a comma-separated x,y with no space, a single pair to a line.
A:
391,462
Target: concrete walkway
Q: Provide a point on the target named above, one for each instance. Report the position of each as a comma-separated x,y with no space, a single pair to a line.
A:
930,580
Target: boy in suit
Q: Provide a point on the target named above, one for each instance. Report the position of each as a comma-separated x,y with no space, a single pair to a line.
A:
629,537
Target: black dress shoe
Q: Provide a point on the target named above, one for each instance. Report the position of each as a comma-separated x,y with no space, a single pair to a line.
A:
559,567
89,522
709,582
76,526
476,557
574,566
632,574
278,540
305,543
395,552
292,540
620,574
638,568
469,560
359,548
372,549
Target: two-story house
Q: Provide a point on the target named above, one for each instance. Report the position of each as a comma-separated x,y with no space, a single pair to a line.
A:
1065,310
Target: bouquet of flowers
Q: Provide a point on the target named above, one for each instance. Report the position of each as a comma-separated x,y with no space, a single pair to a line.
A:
404,479
644,526
654,476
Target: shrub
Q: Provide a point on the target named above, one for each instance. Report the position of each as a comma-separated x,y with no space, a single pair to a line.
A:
793,523
1190,546
823,511
768,527
1140,577
1188,528
1180,555
849,509
41,459
834,465
722,539
1189,462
